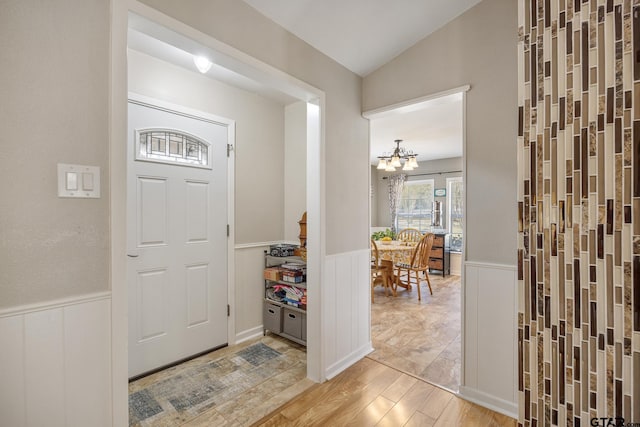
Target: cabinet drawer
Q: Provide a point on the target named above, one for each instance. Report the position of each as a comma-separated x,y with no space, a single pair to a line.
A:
292,323
436,252
435,263
272,317
438,241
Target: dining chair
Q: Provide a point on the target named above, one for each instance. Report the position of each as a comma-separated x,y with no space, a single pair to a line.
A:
409,235
380,273
419,264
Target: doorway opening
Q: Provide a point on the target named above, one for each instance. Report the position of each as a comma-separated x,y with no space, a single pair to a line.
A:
163,74
421,337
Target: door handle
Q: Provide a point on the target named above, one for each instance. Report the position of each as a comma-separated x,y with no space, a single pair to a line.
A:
132,256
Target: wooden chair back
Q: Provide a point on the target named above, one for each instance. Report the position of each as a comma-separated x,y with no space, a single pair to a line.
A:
375,257
409,235
421,253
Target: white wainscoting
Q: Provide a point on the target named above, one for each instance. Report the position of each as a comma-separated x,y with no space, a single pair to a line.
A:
249,289
346,310
55,363
490,330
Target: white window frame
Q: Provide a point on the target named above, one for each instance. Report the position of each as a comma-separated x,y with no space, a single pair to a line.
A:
450,181
417,182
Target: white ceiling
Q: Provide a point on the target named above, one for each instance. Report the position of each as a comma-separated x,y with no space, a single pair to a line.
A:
433,129
362,35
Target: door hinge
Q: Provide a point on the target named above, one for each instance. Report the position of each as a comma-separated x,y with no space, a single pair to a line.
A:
228,310
229,149
228,230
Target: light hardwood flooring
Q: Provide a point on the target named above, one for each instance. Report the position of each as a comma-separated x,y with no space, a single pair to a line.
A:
421,338
370,393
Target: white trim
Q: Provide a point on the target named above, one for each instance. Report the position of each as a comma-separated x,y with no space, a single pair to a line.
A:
316,238
118,211
231,241
463,255
481,264
348,360
505,407
50,305
375,113
243,336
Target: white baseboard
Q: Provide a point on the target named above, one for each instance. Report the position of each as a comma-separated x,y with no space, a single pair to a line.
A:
502,406
349,360
249,334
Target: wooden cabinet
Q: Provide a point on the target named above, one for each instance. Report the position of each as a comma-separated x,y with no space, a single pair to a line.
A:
440,257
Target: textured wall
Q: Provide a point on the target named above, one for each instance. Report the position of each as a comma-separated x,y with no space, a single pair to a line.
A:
54,108
579,241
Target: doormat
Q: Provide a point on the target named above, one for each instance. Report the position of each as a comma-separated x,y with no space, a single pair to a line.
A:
188,390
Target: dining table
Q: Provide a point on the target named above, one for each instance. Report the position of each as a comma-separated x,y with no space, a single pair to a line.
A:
393,252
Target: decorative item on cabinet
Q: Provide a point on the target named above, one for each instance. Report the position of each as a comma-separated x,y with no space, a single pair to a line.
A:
302,250
439,259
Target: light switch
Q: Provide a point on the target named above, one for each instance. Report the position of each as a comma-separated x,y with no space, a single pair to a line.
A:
87,181
71,181
78,181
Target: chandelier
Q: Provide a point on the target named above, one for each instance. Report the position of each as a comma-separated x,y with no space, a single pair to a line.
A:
390,161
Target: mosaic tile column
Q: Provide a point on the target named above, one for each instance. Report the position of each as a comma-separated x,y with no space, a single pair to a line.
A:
579,211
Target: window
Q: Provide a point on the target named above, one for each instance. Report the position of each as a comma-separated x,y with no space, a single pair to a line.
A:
173,147
455,204
414,210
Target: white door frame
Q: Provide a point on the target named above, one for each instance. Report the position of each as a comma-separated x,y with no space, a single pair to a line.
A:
383,111
248,66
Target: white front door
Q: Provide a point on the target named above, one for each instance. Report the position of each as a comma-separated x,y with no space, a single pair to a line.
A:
176,235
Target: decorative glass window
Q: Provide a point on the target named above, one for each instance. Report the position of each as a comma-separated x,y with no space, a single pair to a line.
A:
173,147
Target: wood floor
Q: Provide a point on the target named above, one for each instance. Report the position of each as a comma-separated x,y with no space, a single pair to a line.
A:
372,394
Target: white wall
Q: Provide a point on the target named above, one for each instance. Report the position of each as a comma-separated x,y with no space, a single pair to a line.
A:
55,364
295,168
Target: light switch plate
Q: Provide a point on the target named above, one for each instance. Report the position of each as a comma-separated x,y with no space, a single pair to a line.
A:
87,181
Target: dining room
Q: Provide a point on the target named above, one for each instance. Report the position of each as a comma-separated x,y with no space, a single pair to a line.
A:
417,238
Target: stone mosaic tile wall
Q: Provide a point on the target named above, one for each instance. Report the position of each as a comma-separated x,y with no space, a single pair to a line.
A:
579,211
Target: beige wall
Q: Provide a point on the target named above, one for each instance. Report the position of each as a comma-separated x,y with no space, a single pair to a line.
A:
259,146
54,108
346,132
478,48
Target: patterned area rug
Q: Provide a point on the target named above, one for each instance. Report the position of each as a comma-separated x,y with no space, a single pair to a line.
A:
183,392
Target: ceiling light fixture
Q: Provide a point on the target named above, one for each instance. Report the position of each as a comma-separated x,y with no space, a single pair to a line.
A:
390,161
202,64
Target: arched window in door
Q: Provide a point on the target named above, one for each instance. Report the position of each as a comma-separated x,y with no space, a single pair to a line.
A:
173,147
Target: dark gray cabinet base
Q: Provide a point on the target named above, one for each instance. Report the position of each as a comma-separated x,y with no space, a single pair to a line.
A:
286,321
